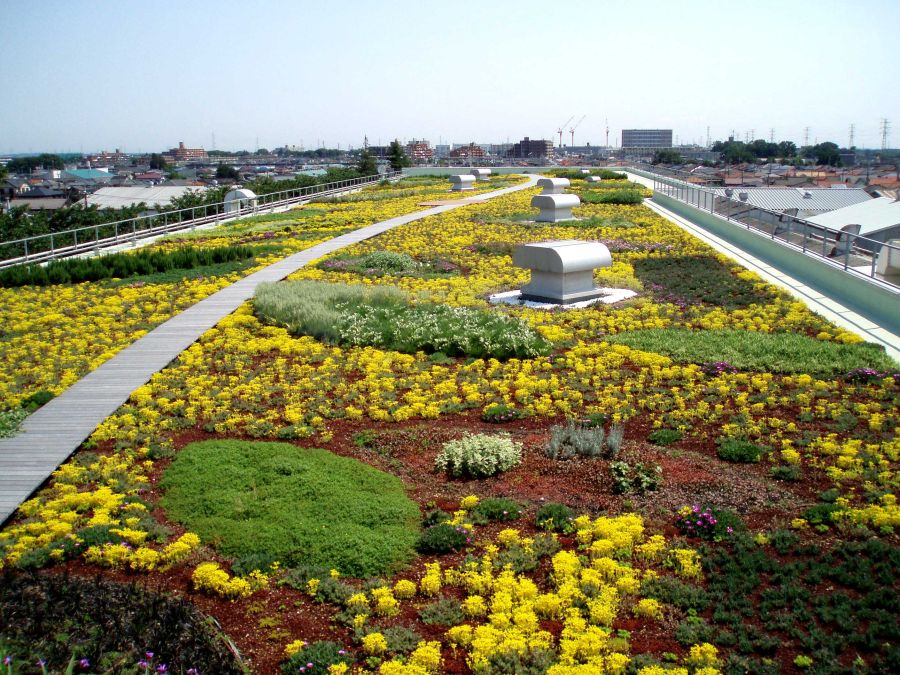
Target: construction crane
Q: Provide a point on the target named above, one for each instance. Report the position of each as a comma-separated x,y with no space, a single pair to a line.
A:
572,131
562,128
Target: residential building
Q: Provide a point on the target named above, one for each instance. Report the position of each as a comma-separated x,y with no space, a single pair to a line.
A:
470,151
647,138
527,148
183,154
419,151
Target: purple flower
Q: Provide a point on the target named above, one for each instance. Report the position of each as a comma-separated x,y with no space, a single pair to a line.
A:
162,668
148,655
193,671
7,660
341,652
729,530
41,662
84,664
142,664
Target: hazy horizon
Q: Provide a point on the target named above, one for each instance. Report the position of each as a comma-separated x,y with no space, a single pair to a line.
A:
87,76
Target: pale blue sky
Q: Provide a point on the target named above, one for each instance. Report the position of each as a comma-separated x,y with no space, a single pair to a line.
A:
141,76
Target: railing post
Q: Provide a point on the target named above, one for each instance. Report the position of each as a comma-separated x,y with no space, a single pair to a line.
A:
52,246
26,250
847,252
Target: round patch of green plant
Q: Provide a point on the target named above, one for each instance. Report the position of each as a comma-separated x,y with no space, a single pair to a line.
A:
554,517
301,506
664,436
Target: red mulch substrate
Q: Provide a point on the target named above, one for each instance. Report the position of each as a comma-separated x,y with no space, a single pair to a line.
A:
261,625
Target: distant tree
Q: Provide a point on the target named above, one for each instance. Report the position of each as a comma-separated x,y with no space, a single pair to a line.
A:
4,172
262,151
763,149
366,165
667,156
29,164
826,153
397,156
158,162
787,149
225,171
734,152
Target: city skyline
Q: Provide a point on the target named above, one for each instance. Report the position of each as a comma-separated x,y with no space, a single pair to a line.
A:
89,76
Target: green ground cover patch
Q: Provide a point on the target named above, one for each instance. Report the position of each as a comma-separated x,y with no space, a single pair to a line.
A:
613,196
381,263
383,317
62,619
299,506
687,280
750,350
763,599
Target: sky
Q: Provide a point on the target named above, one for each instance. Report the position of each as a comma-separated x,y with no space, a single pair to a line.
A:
82,76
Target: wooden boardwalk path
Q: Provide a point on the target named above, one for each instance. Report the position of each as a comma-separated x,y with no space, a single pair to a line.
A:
52,433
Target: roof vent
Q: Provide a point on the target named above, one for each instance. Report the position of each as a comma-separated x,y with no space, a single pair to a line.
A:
807,195
729,192
743,196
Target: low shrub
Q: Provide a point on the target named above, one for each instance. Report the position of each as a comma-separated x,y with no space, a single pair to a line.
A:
400,639
479,455
636,479
554,517
707,523
435,517
495,509
10,421
444,612
822,514
739,450
499,413
317,658
442,538
788,472
664,436
120,265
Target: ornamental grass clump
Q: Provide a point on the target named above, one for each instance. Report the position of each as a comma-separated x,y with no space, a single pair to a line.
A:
587,441
385,317
479,455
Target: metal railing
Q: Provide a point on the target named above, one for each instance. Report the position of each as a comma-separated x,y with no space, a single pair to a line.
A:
46,247
853,253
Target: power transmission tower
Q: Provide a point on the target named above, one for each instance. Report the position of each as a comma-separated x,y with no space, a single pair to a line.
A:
852,134
753,134
772,135
607,133
707,136
806,136
885,130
